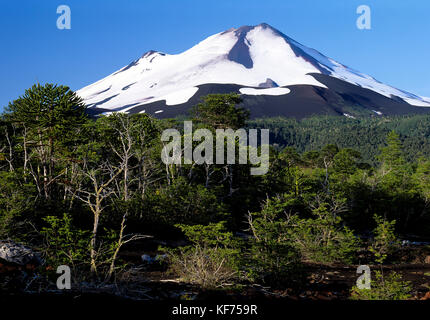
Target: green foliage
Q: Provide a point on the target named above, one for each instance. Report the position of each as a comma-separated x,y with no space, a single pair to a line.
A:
345,162
107,174
392,155
65,244
282,236
366,135
272,257
421,178
52,107
221,111
17,198
46,121
323,239
384,240
389,287
214,234
50,116
182,202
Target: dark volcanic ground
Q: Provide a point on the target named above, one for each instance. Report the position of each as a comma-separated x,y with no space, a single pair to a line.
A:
303,101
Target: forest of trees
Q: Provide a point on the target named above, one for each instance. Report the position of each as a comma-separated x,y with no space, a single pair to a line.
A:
79,189
366,135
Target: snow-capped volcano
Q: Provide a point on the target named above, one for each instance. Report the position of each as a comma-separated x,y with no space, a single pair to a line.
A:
260,62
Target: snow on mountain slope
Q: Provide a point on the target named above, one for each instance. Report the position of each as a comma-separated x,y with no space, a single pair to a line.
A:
347,74
259,58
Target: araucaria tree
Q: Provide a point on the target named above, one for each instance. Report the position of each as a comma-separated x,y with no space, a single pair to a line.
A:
48,119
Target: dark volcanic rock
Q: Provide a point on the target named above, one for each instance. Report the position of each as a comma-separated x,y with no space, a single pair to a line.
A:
303,101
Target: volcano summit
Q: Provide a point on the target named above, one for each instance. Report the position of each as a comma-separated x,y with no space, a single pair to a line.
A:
276,76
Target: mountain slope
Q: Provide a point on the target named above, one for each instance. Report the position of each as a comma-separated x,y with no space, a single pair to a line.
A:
275,74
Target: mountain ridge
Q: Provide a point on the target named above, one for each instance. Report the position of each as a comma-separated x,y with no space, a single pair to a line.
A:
258,62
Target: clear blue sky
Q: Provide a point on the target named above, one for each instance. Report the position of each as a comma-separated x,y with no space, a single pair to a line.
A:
108,34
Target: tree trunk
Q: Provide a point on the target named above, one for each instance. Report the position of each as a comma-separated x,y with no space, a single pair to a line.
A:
93,252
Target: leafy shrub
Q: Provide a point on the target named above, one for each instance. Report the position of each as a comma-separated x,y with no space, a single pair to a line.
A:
65,244
181,202
323,239
384,241
271,257
390,287
16,198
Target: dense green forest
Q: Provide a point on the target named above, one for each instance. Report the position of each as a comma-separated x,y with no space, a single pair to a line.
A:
80,190
366,135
